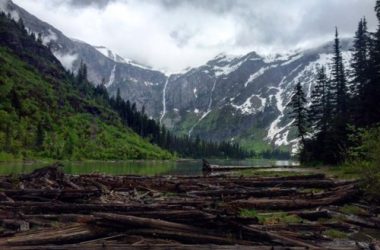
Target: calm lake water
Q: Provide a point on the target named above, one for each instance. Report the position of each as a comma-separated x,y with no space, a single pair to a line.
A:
141,167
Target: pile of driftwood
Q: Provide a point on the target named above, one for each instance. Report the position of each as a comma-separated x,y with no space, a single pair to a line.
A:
48,209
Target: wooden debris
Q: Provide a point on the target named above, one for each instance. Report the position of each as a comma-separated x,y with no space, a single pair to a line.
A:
48,209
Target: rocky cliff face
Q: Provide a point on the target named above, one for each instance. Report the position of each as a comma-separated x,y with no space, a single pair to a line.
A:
239,98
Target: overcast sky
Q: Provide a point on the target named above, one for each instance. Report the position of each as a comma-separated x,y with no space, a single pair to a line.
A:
174,34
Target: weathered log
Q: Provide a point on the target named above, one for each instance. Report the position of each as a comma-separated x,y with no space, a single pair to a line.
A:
257,232
296,227
65,235
245,192
37,194
288,204
122,220
49,207
80,218
189,237
4,197
176,215
371,222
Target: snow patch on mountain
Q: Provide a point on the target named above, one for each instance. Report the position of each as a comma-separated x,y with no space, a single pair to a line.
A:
293,59
250,107
226,64
225,70
223,57
195,92
274,128
287,56
257,74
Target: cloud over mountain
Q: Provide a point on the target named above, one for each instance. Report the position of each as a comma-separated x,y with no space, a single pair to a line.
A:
172,35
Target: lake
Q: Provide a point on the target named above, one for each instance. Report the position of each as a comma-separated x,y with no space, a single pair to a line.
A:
139,167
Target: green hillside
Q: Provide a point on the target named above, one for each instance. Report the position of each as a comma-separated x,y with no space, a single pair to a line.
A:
44,113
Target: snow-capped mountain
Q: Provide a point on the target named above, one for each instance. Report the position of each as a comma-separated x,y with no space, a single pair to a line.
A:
243,98
239,98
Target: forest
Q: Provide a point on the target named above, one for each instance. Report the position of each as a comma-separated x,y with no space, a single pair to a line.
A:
340,124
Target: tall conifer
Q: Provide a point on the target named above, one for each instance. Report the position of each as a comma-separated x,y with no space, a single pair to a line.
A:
299,112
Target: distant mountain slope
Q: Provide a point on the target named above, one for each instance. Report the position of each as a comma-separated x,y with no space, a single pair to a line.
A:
237,98
243,98
137,83
45,113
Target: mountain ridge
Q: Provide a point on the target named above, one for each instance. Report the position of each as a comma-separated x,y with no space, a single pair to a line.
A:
239,98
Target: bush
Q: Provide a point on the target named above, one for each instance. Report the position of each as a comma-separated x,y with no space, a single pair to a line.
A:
364,159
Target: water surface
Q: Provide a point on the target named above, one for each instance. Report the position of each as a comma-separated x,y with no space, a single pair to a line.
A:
140,167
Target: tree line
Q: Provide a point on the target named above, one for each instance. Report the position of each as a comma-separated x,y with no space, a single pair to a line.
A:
152,130
342,102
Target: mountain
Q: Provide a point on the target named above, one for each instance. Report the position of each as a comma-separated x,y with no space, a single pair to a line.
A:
137,83
47,112
236,98
243,98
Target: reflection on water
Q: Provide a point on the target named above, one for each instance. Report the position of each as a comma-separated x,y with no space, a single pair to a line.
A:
142,167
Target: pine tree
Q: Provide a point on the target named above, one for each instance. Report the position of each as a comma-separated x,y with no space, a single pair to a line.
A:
339,79
372,100
119,100
319,113
299,112
339,132
82,73
360,75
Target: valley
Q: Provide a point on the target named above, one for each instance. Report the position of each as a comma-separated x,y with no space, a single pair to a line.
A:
272,147
249,91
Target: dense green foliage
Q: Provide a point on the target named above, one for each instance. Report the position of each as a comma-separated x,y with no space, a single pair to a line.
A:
340,107
44,114
364,161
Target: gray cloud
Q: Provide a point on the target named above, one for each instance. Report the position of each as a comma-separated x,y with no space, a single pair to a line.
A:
174,34
84,3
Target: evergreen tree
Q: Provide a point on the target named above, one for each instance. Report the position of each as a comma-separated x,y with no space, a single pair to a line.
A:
119,100
360,75
299,112
373,97
319,113
339,79
339,132
82,73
